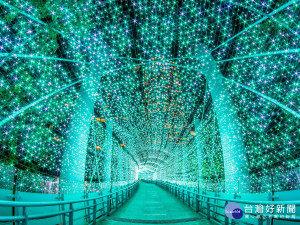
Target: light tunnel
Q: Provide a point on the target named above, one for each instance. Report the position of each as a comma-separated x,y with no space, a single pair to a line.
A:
104,100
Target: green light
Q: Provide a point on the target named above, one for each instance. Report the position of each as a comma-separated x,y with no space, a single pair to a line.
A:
152,86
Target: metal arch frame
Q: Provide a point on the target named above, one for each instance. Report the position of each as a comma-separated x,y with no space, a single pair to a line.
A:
189,68
154,160
155,166
148,166
264,96
35,102
147,170
267,98
13,55
281,52
257,22
151,163
249,89
265,14
234,3
49,95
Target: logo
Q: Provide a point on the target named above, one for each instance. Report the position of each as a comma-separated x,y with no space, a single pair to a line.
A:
233,211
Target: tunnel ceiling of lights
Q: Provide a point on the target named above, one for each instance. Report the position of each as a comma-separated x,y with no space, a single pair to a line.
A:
145,60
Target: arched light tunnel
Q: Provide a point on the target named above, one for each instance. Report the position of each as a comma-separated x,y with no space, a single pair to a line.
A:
104,100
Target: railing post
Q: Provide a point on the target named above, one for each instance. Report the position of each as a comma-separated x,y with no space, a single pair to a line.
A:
25,221
189,198
122,196
71,214
117,199
197,203
182,194
89,210
208,209
226,218
94,211
63,209
103,208
108,204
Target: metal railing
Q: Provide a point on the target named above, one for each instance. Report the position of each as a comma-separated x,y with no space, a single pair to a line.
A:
107,204
208,205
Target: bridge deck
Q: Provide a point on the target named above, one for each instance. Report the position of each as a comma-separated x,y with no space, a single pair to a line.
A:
153,205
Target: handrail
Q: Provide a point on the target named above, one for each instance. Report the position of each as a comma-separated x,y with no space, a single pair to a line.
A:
203,204
107,199
238,201
36,204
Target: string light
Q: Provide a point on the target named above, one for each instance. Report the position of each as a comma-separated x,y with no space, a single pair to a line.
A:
152,85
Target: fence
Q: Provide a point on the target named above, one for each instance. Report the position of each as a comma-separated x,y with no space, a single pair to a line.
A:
105,204
213,208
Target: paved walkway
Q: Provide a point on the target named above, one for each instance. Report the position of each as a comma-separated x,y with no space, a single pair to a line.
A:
152,203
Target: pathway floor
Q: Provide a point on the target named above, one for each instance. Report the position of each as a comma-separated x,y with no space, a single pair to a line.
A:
153,204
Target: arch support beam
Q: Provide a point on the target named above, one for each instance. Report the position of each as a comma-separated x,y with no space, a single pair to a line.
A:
126,169
199,154
107,149
184,162
120,165
234,153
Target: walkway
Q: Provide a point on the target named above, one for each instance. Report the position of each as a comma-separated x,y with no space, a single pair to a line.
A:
153,204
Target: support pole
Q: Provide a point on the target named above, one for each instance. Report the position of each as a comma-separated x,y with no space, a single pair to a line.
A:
126,169
184,165
107,149
120,165
199,154
234,153
74,155
176,169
